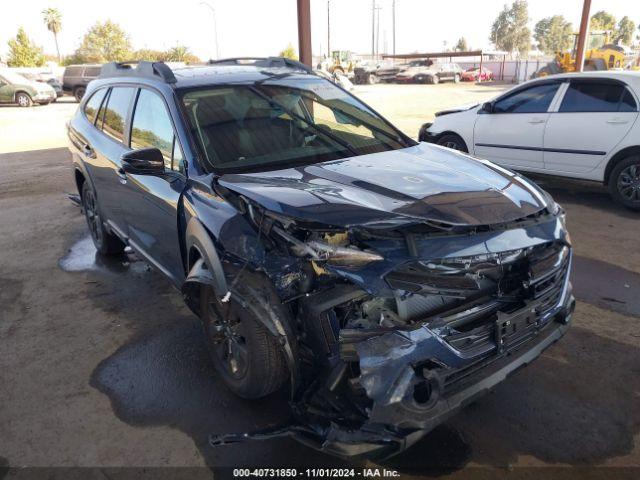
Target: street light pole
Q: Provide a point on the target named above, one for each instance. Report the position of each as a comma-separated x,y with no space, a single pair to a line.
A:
373,29
215,26
393,15
328,28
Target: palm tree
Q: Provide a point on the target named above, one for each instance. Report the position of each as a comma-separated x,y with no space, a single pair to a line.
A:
53,21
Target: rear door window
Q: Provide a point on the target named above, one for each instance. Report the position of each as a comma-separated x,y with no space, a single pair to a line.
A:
597,97
115,114
535,99
93,105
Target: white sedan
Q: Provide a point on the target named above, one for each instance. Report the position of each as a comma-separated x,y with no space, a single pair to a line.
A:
580,125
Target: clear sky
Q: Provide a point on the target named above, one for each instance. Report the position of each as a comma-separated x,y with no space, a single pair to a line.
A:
259,28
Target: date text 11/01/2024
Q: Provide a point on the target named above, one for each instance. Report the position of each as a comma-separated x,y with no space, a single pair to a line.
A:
316,472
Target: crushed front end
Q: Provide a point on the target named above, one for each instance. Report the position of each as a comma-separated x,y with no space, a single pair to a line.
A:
399,326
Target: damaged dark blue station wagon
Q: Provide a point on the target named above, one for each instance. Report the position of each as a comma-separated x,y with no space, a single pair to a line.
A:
385,283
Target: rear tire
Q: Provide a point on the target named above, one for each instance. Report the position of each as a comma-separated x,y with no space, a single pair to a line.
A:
454,142
434,79
456,79
78,93
624,182
245,354
372,79
105,242
24,100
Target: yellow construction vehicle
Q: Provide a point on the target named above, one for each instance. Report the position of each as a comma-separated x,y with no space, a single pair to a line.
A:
601,54
341,61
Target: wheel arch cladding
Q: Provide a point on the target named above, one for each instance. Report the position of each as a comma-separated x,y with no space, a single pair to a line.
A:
204,265
618,157
80,179
18,92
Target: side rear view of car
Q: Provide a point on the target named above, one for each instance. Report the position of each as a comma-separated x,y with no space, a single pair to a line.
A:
581,126
17,89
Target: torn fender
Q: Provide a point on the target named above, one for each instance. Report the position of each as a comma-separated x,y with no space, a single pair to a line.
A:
206,270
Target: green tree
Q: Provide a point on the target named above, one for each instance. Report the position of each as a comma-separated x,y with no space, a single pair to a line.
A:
462,45
289,52
509,31
150,55
624,32
23,52
553,34
53,20
180,53
104,42
602,21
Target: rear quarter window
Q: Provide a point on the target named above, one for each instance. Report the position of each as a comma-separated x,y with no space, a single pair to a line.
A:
597,97
93,105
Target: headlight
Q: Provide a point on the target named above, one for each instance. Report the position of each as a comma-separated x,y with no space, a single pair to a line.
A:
330,253
342,256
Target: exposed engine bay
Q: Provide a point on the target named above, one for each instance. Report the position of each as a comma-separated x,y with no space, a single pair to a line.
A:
394,328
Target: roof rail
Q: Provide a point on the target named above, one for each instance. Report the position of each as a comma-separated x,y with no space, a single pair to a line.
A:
143,69
265,62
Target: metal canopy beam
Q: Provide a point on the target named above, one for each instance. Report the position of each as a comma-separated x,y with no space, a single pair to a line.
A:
474,53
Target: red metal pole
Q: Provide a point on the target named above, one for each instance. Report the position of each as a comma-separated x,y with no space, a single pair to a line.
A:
304,31
582,36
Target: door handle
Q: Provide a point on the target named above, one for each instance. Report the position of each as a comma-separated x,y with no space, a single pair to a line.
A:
617,121
536,121
88,151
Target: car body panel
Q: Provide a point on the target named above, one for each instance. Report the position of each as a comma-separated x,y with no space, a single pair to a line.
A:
422,206
575,144
421,182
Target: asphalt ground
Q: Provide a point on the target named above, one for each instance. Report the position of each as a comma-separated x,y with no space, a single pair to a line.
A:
101,364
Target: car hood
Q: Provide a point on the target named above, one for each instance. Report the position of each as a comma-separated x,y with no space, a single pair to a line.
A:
412,185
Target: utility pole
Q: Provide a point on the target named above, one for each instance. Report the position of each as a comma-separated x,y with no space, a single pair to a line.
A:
373,29
377,9
304,31
393,15
582,36
328,28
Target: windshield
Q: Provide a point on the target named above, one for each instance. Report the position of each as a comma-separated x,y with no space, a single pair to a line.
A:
13,77
284,121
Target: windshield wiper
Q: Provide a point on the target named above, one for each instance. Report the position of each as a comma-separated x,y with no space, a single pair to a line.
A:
313,125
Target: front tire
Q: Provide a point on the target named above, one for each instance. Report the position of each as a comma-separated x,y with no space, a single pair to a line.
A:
624,182
246,356
105,242
372,79
434,79
454,142
456,79
24,100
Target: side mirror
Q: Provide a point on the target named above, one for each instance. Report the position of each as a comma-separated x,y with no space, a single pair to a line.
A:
145,161
487,107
